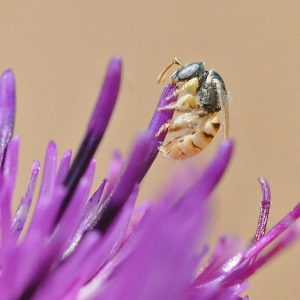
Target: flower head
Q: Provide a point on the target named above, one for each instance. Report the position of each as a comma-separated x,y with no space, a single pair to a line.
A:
105,246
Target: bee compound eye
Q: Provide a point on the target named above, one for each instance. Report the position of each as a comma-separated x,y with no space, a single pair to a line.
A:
191,71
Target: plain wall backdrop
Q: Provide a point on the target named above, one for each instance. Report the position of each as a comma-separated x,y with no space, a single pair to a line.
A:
59,51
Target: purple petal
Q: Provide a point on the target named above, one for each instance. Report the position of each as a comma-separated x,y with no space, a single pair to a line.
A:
138,214
226,249
92,204
89,218
282,244
272,234
10,168
114,170
264,209
167,238
7,189
46,255
148,272
203,187
40,220
95,131
64,166
246,266
7,111
112,240
125,184
71,219
60,281
24,207
107,99
159,118
138,165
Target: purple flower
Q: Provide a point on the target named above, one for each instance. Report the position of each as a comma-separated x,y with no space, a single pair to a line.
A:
105,246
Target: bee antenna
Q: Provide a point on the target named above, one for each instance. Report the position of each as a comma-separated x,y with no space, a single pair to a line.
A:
162,76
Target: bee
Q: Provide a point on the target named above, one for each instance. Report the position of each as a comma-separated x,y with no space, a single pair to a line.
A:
200,103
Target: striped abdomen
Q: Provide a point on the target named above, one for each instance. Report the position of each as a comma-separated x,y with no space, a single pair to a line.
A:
194,140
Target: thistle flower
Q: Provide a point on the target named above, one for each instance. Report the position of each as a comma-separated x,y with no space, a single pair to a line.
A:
107,247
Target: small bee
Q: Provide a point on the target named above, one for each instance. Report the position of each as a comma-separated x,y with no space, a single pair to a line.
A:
200,96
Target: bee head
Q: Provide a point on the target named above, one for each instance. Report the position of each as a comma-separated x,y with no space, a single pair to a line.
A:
188,72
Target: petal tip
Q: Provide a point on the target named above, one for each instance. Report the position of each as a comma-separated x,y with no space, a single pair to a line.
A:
8,74
36,164
226,148
52,148
262,180
115,63
228,143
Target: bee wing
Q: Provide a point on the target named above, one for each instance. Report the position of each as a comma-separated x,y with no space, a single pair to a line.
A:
225,109
224,100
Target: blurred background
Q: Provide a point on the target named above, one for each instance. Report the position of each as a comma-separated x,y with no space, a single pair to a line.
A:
59,51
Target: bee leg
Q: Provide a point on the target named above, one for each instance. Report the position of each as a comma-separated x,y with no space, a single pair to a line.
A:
170,126
168,107
184,103
190,87
162,76
163,128
172,97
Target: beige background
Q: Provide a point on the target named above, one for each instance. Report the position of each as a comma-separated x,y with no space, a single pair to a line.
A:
59,50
